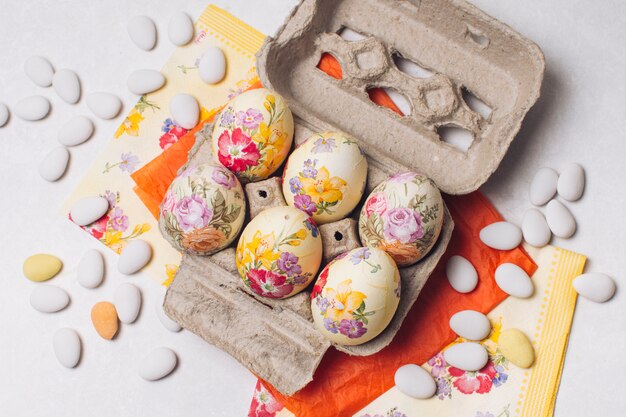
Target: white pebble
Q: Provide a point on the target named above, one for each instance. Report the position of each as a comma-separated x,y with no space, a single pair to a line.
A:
543,186
185,110
180,29
461,274
535,228
76,131
167,322
467,356
158,364
134,257
571,183
67,347
501,236
39,70
48,298
54,164
142,32
470,325
514,281
595,286
127,302
415,381
145,81
104,105
67,85
212,65
32,108
89,209
560,219
4,114
91,269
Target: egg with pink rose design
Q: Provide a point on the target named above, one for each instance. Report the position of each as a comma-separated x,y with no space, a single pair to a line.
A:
203,210
402,216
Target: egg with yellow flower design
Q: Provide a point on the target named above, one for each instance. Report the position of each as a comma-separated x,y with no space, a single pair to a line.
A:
279,252
325,176
253,134
356,296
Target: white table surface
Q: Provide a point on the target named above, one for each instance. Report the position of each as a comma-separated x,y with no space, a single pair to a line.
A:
580,117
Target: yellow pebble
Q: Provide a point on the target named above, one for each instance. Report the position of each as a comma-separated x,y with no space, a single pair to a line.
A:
41,267
104,319
515,346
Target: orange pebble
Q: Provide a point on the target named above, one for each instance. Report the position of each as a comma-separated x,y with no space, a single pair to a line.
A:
104,319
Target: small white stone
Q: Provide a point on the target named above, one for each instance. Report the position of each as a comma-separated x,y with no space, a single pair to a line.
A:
158,364
89,209
134,257
4,114
535,228
212,65
514,281
32,108
104,105
142,32
67,347
180,29
467,356
543,186
91,269
560,219
54,164
571,183
67,85
470,325
167,322
127,302
76,131
461,274
145,81
595,286
415,381
39,70
185,110
48,298
501,236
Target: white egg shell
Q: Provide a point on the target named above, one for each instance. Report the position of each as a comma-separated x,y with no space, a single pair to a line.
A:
67,85
76,131
467,356
90,272
49,299
203,210
543,186
325,176
67,347
180,29
461,274
145,81
595,286
212,65
104,105
501,236
127,302
470,325
279,252
4,114
415,381
39,70
54,164
560,219
356,296
89,209
253,134
134,257
167,322
142,32
571,183
403,216
535,229
514,281
158,364
32,108
185,110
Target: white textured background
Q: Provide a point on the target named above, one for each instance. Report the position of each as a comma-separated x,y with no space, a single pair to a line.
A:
580,117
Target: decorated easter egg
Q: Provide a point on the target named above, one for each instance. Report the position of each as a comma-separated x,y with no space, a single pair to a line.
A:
402,216
203,210
325,176
253,134
279,252
356,296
